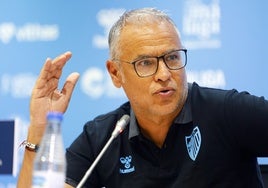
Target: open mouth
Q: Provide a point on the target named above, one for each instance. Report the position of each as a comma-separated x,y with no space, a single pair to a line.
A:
164,91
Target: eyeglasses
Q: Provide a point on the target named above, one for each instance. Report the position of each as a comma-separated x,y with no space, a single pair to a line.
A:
148,66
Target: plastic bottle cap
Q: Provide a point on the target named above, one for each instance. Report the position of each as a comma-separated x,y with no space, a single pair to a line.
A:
55,115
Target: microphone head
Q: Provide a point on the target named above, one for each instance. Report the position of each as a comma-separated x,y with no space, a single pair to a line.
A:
121,125
125,118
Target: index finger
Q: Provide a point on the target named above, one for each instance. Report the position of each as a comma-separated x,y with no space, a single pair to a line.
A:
52,69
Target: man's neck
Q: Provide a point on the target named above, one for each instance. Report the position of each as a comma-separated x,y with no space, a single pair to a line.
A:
156,129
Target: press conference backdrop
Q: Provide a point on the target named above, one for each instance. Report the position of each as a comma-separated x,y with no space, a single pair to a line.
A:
226,42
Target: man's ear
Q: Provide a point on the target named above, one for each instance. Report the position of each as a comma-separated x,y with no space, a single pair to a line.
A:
113,69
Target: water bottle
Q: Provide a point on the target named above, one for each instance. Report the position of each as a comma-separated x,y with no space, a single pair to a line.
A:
50,163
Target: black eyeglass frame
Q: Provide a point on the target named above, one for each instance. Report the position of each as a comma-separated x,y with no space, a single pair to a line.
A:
158,58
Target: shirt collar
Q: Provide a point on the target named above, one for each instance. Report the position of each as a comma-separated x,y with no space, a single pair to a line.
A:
133,126
184,117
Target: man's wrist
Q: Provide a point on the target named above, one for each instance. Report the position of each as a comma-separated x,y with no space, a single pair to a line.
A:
30,146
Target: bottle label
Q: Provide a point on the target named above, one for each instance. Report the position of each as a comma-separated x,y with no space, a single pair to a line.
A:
48,179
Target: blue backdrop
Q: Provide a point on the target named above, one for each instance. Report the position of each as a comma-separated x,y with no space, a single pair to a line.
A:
226,42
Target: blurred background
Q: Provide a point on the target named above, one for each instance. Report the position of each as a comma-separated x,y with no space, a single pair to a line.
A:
226,42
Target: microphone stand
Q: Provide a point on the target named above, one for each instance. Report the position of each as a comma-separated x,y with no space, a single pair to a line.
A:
120,126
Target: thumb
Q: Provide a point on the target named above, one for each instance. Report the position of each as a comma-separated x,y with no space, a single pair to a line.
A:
69,85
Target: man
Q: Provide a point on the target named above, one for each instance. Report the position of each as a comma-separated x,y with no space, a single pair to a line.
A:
179,135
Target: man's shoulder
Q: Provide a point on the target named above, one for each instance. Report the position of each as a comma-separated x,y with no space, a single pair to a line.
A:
108,120
209,92
114,115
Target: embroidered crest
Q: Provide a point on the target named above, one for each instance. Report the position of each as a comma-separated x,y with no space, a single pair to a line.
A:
127,167
193,143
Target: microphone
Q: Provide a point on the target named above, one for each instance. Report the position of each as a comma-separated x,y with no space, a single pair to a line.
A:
119,127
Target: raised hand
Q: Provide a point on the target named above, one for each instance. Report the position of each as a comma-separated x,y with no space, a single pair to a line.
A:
46,96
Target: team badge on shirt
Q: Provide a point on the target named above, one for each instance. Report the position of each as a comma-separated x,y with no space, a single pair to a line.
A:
193,143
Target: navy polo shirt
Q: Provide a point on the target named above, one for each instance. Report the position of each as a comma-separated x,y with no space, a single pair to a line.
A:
131,156
214,142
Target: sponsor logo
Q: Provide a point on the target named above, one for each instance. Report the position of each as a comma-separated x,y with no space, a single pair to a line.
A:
201,24
127,166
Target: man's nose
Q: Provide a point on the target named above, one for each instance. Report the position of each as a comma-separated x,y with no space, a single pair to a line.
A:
163,73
